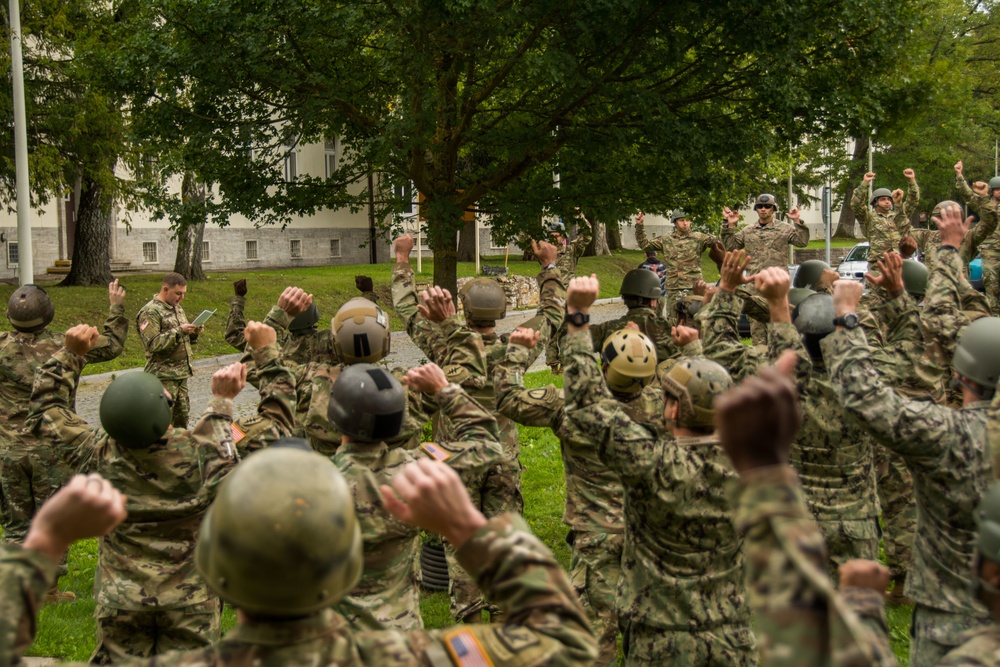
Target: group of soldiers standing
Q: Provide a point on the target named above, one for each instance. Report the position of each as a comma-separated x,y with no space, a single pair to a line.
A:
725,502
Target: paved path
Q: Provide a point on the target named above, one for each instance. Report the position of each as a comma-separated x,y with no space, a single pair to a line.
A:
404,354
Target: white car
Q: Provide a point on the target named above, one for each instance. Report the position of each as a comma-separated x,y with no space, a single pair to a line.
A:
855,265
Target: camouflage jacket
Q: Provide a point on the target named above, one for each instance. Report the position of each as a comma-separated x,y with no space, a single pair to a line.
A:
301,347
168,349
986,207
650,323
570,253
800,618
980,649
767,245
929,240
947,453
593,492
388,595
545,623
682,565
901,361
148,561
275,417
681,254
884,231
21,354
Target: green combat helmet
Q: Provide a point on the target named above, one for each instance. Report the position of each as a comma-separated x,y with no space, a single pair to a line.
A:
361,332
134,410
677,215
879,193
797,295
629,360
813,318
809,273
694,383
976,356
30,309
367,403
987,517
766,200
994,184
641,283
483,301
915,277
281,539
305,320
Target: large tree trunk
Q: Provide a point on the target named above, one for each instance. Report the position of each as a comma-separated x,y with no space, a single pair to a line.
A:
614,236
859,165
599,244
467,242
92,245
190,227
445,263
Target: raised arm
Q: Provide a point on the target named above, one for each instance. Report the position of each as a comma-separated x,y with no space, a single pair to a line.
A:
911,203
531,407
798,233
641,239
111,343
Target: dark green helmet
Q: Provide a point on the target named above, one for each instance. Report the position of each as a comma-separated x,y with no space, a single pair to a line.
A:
281,539
134,410
880,192
987,516
483,300
815,314
694,383
936,211
305,320
977,356
809,273
797,295
994,183
915,277
641,283
677,215
367,403
30,309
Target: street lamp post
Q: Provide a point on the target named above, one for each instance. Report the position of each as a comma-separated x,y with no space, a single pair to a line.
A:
25,259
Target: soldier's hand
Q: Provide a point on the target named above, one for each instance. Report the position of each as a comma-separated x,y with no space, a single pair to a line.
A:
859,573
710,293
430,495
846,296
294,301
698,287
952,226
909,173
868,178
632,326
364,283
640,219
198,329
582,293
81,339
907,246
794,214
897,196
757,420
958,168
773,283
827,279
980,188
427,379
683,335
401,247
731,274
228,382
259,335
240,287
544,252
525,337
890,276
116,293
732,217
87,506
436,304
188,328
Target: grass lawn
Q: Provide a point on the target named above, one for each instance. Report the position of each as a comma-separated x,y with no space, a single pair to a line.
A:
835,243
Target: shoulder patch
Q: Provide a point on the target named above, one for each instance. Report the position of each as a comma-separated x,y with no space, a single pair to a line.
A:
435,452
238,433
466,650
143,323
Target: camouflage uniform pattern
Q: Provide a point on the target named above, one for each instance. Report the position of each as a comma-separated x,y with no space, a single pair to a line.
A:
388,595
548,625
275,417
593,492
721,340
566,263
980,648
946,451
650,323
989,248
168,352
800,618
681,584
301,347
884,232
681,254
30,471
147,563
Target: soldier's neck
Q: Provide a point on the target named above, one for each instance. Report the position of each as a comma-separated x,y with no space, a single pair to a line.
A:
684,432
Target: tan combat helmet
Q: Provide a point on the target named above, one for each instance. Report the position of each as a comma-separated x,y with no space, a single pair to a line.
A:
629,361
694,383
361,332
483,301
30,309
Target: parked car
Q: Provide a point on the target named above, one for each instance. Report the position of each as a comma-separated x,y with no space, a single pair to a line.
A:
855,265
976,273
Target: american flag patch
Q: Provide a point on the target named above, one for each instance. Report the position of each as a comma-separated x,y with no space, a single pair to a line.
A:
435,452
466,650
238,433
143,325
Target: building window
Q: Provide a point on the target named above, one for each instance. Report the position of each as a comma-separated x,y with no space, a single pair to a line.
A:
149,254
330,156
252,250
206,251
295,247
13,254
405,193
334,247
291,165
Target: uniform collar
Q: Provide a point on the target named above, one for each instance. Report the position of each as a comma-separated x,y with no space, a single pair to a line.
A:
276,632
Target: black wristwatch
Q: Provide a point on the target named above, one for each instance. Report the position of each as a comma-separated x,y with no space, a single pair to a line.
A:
848,321
578,319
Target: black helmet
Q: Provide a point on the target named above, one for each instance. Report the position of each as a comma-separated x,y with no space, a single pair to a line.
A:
367,403
641,283
30,309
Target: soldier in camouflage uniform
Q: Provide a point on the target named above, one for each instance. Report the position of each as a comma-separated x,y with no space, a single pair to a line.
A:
945,450
593,492
640,290
882,223
258,549
766,244
978,200
30,471
681,599
367,405
569,254
167,337
149,597
682,253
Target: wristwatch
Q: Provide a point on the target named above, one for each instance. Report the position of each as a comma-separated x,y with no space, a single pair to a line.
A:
848,321
578,319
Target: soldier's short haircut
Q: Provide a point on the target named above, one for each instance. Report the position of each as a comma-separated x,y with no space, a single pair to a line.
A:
173,279
631,301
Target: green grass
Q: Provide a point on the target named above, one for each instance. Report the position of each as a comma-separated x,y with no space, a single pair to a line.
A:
835,243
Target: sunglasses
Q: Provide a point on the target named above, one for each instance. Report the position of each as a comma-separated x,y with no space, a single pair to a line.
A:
765,206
